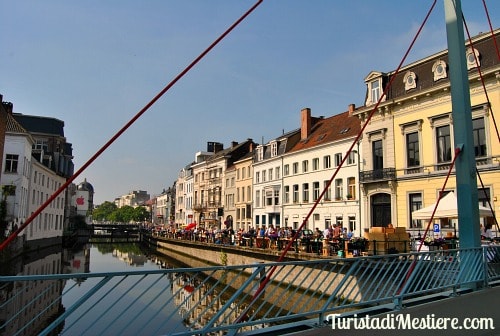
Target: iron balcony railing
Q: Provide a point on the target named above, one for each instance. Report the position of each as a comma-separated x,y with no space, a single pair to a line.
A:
377,175
232,299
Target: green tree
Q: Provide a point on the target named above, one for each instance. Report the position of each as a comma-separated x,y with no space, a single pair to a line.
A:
104,211
140,214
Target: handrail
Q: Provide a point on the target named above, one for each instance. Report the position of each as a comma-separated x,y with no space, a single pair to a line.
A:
188,301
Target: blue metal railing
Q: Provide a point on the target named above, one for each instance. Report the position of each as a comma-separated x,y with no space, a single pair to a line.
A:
225,299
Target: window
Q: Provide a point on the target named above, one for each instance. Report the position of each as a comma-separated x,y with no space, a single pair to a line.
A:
375,91
327,162
276,197
352,223
295,167
328,192
286,170
277,172
257,177
415,203
412,150
378,155
257,198
339,220
315,191
351,185
11,161
439,70
269,197
315,163
443,144
305,166
263,176
274,149
295,193
270,172
351,159
305,192
41,144
338,189
260,153
472,56
479,136
410,80
287,195
338,159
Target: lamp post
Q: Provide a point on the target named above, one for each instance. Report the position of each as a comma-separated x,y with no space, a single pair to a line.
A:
359,190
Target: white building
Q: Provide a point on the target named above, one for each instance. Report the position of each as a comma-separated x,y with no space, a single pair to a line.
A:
309,166
17,172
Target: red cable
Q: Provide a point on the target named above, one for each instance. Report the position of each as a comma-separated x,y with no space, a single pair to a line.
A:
124,128
491,29
414,262
290,243
481,76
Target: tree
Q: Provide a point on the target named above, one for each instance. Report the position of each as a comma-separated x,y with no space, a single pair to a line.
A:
104,211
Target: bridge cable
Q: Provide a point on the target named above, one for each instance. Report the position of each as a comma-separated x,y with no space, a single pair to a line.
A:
491,29
441,194
488,200
267,278
127,125
476,60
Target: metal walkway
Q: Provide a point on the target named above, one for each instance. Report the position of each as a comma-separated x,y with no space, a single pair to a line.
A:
227,300
478,304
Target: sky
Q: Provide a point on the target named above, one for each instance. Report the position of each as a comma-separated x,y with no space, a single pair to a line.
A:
95,64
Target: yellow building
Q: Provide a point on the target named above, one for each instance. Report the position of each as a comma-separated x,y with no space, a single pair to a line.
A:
409,140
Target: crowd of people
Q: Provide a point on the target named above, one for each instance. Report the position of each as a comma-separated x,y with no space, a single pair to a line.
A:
264,236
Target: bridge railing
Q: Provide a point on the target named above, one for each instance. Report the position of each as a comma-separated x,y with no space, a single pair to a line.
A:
228,299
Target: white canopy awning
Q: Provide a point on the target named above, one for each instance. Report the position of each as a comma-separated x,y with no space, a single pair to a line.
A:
447,208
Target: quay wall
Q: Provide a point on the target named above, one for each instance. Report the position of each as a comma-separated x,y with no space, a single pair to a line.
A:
197,254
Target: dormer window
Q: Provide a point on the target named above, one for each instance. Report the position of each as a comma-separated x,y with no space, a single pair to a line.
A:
374,91
410,80
260,153
439,70
274,149
472,55
374,88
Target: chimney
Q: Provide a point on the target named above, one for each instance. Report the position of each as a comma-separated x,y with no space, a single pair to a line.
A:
351,109
234,143
305,123
8,106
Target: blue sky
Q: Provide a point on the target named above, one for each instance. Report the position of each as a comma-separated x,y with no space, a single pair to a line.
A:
95,64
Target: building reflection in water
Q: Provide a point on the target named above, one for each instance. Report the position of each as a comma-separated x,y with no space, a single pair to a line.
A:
198,303
28,307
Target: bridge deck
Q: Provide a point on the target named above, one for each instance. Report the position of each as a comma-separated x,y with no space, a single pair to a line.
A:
481,304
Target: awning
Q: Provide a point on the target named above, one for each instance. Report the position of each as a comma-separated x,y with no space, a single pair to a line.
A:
447,208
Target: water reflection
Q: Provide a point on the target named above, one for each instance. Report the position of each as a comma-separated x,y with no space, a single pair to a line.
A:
184,300
26,308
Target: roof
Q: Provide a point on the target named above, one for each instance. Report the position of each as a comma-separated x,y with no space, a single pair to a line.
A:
13,126
37,124
326,130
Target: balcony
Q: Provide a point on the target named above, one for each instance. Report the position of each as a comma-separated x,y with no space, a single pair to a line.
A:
385,174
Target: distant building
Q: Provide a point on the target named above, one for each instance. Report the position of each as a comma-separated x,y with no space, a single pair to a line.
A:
83,200
134,199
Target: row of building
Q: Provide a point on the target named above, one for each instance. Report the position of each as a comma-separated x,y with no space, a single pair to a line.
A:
398,165
37,161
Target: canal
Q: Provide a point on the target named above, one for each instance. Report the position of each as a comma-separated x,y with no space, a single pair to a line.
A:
90,258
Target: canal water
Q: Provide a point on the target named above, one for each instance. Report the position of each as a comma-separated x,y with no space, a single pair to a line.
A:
90,258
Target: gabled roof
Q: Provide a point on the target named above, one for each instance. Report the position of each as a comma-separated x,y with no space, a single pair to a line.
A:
326,130
13,126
